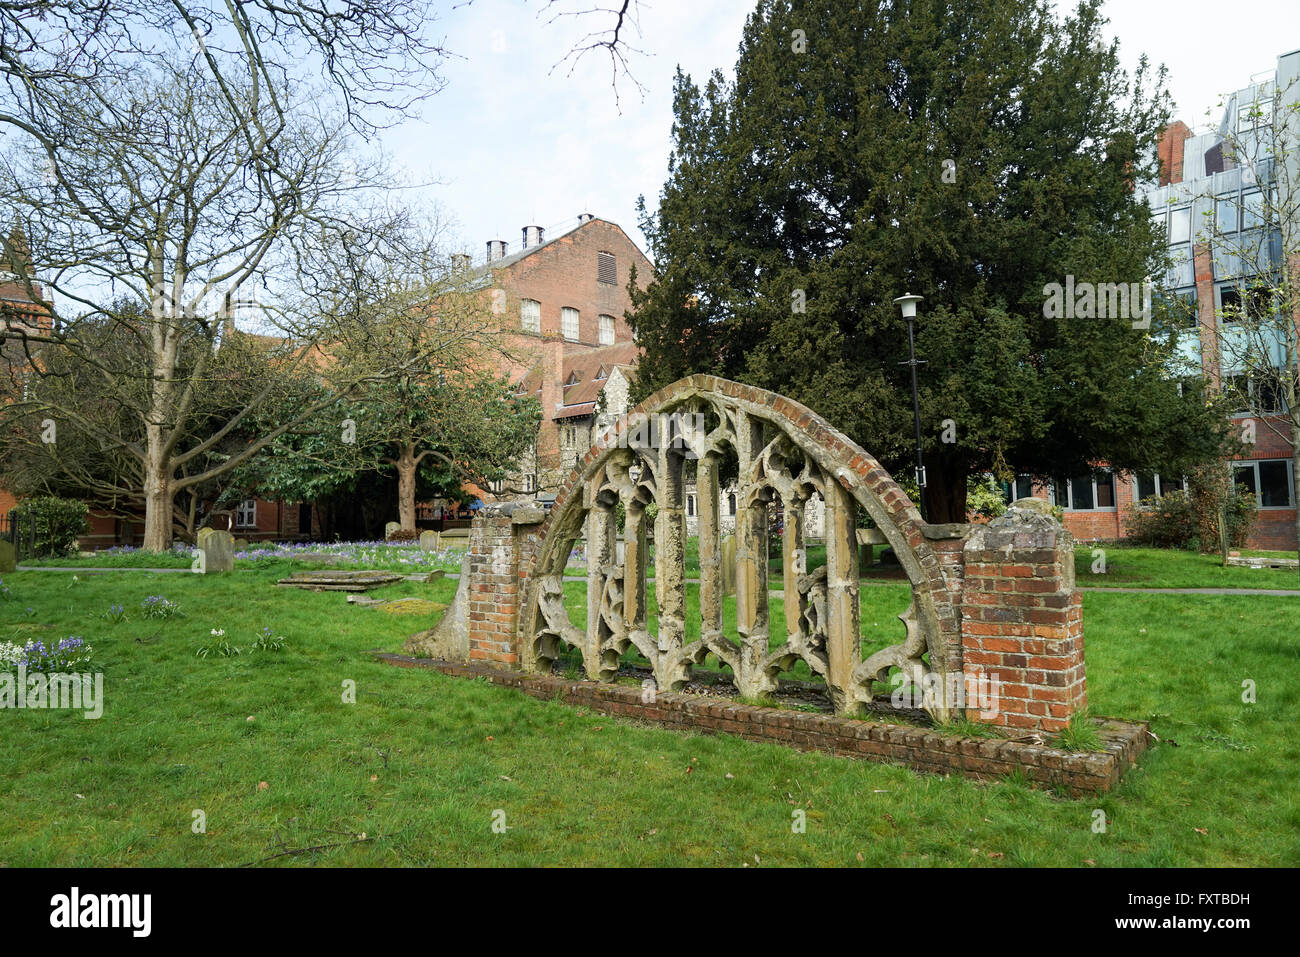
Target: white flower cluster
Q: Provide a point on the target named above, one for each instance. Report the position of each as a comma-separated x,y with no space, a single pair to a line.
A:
9,654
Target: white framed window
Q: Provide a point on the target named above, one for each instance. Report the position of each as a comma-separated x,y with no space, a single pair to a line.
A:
1225,215
1086,493
569,327
1253,211
1022,487
1154,485
1180,272
246,514
1254,394
1255,114
530,315
1180,225
530,482
1269,480
606,330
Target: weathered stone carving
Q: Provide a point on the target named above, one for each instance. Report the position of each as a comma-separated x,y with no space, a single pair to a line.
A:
786,455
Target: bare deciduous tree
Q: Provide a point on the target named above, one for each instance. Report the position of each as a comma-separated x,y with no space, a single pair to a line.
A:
143,182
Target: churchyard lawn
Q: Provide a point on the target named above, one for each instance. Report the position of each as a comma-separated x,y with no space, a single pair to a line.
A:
256,757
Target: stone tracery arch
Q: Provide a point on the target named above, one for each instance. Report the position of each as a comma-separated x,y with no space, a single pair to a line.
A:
783,449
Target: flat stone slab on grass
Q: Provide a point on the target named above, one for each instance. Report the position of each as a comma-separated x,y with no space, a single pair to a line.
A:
325,558
1264,562
399,606
339,580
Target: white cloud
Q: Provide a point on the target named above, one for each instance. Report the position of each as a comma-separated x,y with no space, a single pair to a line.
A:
516,137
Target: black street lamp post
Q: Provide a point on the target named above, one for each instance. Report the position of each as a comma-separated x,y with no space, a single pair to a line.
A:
907,304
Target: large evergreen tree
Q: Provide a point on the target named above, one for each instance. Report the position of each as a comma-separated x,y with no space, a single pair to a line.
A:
969,153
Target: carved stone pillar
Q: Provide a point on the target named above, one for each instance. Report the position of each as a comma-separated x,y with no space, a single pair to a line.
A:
670,553
634,555
706,484
600,558
794,562
843,613
751,566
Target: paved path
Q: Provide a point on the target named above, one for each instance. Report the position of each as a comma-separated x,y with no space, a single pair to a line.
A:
97,571
1286,592
775,592
1290,592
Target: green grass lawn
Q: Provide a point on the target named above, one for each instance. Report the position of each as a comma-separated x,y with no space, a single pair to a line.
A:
420,763
1171,568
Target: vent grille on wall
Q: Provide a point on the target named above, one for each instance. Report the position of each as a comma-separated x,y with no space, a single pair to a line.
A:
606,270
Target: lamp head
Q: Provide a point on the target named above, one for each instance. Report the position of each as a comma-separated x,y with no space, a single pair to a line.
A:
907,303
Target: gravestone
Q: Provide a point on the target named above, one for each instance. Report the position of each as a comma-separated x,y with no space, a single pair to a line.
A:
218,553
729,565
240,544
203,536
363,580
430,541
8,557
389,529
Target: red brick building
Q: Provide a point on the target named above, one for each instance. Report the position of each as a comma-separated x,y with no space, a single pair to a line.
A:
562,301
23,309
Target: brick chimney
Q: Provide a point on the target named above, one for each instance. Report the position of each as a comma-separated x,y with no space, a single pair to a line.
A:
1170,150
548,437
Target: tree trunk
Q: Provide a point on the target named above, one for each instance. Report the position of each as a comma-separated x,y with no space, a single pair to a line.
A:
158,496
406,488
158,513
945,495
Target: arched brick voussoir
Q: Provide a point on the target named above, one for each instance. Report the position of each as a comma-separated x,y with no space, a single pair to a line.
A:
857,470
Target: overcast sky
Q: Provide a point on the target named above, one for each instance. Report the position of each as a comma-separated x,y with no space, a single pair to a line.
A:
514,139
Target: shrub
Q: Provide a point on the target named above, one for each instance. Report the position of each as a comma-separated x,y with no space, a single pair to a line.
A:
1177,520
984,498
403,535
53,523
1243,512
1167,521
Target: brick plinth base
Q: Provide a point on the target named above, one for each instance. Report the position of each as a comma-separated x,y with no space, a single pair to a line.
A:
1022,621
917,748
501,547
